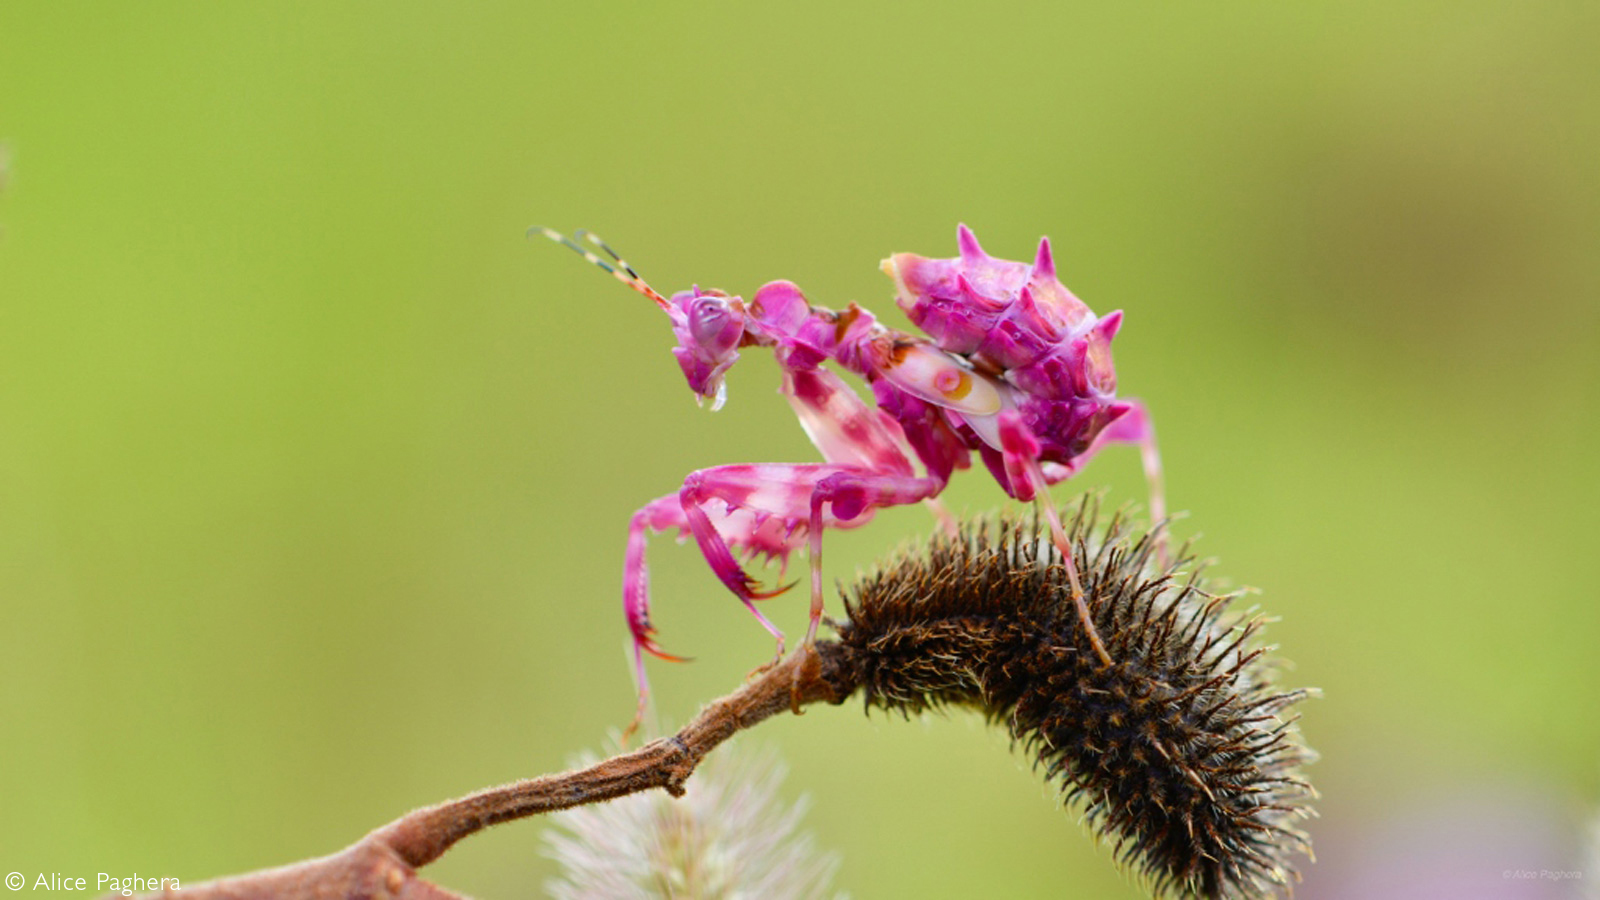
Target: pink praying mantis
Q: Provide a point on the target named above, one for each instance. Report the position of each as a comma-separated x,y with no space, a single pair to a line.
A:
1014,367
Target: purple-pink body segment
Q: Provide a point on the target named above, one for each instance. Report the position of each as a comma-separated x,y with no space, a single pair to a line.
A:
1015,367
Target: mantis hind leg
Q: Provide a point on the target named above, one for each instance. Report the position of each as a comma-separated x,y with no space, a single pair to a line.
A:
1134,427
943,517
1020,450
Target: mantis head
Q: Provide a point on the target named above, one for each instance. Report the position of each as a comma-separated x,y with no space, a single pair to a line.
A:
709,326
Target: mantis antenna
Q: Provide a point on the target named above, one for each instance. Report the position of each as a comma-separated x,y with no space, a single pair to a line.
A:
621,270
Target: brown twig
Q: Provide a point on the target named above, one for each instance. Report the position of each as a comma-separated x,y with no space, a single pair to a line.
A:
383,864
1181,750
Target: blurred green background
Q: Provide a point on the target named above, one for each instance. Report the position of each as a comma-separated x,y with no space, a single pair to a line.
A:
314,473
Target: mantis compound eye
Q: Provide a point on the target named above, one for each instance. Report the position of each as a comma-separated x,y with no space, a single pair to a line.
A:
714,325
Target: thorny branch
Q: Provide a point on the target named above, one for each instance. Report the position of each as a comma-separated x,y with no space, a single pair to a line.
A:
383,864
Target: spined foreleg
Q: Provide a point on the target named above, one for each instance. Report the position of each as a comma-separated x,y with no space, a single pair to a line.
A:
661,514
790,500
740,527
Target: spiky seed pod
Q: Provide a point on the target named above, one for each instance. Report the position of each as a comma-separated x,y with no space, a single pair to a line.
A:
1179,750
